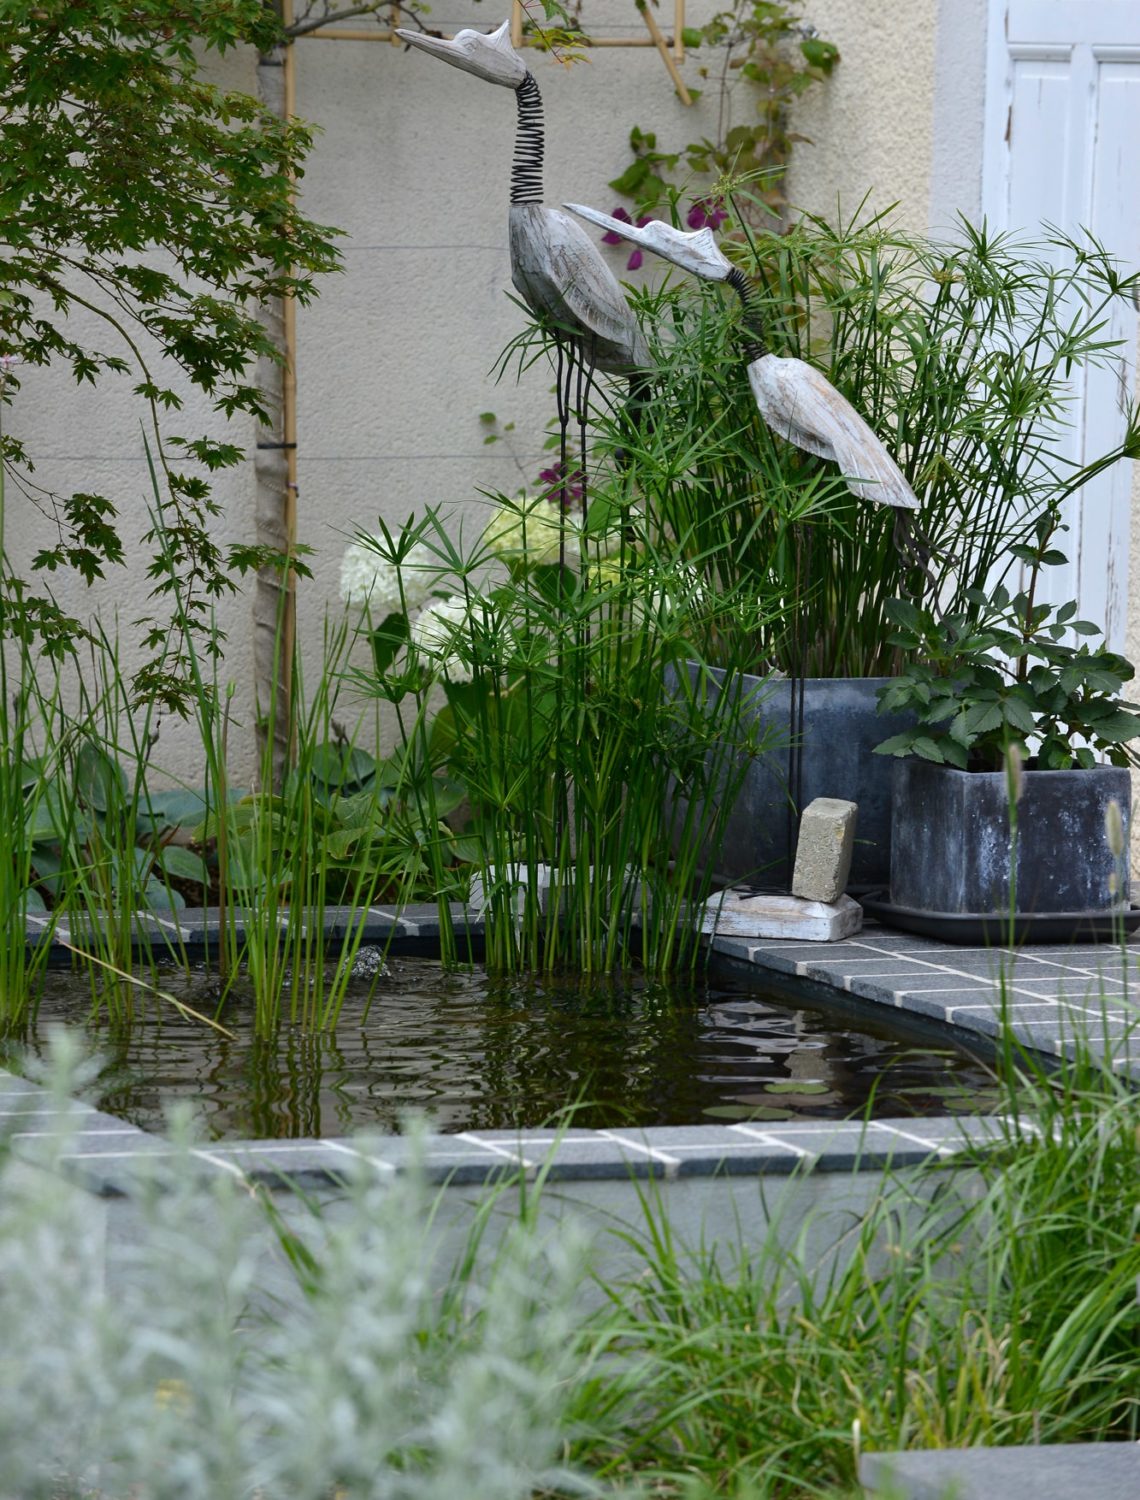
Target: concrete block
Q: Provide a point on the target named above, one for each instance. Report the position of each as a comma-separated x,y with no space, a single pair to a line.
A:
825,848
745,914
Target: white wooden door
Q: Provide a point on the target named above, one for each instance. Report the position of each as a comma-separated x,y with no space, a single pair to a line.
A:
1062,147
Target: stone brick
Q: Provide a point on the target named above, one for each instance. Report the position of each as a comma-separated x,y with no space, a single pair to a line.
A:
826,845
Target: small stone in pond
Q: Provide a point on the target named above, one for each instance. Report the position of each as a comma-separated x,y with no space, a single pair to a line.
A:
369,964
823,854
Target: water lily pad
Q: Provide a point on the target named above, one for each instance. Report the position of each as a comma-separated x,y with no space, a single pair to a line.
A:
747,1112
791,1087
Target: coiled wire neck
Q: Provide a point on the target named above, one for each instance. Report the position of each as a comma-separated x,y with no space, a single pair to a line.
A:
526,171
753,347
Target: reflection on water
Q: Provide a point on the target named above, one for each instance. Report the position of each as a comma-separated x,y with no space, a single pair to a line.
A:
475,1052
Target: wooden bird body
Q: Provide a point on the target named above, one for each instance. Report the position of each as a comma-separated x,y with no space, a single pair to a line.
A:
801,405
559,273
556,268
796,401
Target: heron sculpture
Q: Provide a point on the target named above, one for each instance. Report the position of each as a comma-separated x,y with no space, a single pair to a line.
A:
556,268
796,401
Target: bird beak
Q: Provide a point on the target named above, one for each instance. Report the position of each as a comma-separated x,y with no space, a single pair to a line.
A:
434,46
696,251
489,55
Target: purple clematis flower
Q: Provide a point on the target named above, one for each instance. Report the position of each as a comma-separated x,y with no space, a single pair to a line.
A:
611,237
706,213
568,492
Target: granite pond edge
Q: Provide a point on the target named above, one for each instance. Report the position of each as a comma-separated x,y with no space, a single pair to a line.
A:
1052,997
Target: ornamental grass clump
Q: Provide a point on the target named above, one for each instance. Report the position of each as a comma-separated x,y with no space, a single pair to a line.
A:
561,647
989,1302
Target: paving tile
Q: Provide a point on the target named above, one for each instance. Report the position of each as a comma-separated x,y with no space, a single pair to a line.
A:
749,951
935,1003
299,1164
443,1158
1106,1471
924,979
837,1148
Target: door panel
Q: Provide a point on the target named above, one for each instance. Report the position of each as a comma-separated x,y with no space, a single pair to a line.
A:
1062,123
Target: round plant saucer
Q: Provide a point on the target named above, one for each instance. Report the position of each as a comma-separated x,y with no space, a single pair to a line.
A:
992,929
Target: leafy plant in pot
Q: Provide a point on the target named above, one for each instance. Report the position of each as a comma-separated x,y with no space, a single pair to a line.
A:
1004,783
957,357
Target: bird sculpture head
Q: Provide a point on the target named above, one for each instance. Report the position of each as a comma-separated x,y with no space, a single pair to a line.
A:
489,55
695,251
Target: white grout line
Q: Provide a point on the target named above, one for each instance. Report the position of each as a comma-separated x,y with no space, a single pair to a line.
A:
373,1161
516,1158
670,1163
768,1139
53,1135
216,1161
166,1150
906,1135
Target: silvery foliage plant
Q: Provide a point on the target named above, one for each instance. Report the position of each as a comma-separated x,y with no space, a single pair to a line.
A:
210,1351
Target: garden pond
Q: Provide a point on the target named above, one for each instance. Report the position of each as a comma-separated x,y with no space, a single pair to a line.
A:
473,1051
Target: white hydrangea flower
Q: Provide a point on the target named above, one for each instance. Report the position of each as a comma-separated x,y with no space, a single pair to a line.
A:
443,631
531,531
370,580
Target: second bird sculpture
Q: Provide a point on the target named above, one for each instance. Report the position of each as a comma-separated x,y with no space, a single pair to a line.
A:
796,401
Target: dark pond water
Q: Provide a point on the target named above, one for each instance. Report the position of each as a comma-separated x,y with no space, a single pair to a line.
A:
475,1052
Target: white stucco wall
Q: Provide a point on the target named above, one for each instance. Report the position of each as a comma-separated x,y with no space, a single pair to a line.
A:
394,359
870,125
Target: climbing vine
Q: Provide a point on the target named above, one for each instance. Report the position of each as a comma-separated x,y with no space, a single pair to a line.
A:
761,51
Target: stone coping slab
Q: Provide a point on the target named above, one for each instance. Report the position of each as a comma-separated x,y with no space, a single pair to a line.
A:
110,1156
1051,996
1053,1471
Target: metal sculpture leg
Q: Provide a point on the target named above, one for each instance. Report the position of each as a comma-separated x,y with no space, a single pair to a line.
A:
916,552
585,384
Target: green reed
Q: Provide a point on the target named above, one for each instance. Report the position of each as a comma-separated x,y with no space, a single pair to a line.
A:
599,762
960,355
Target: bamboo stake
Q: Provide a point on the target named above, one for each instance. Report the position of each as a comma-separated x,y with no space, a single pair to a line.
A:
662,46
679,30
516,23
289,427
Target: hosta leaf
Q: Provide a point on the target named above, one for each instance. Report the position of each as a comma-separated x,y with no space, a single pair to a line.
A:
159,898
183,864
341,766
99,780
176,808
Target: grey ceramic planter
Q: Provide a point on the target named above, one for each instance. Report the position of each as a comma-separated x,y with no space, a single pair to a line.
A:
841,729
951,841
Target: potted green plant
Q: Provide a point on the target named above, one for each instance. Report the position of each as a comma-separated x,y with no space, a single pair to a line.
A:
1004,782
956,356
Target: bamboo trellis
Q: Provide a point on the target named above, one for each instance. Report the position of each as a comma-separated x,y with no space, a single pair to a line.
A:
671,49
